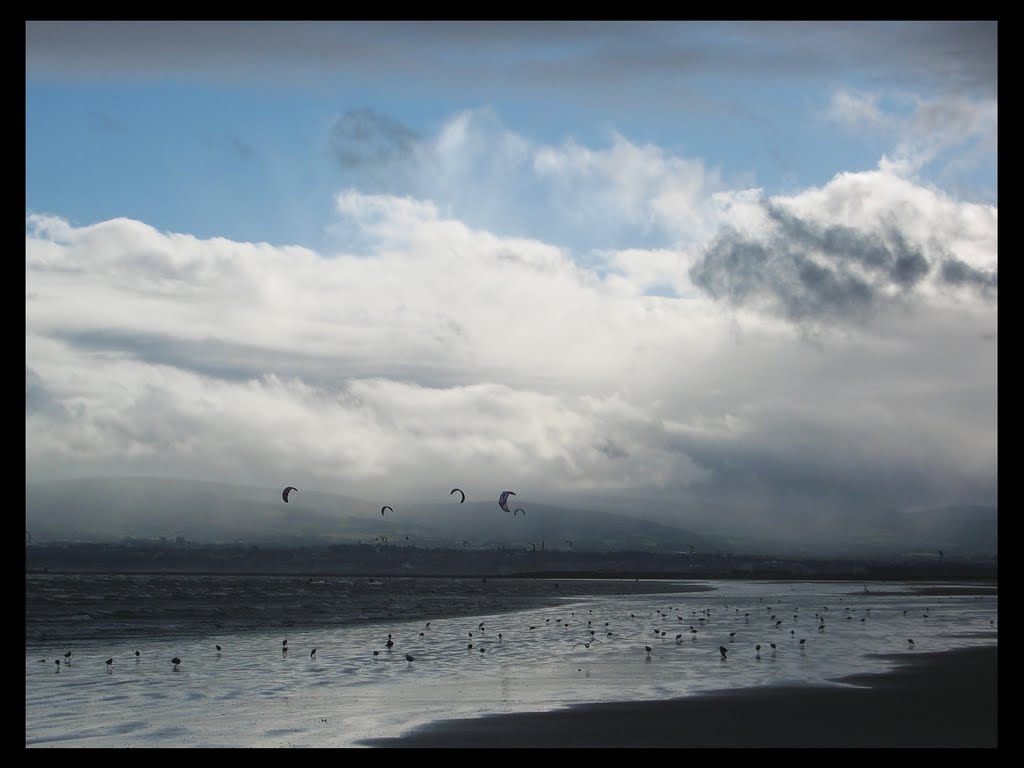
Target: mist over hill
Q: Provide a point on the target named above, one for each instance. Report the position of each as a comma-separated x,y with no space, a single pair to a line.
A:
116,508
112,509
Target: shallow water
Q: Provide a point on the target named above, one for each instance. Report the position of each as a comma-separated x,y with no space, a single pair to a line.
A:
253,694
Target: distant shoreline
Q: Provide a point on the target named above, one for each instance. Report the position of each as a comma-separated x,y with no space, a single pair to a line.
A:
350,561
986,583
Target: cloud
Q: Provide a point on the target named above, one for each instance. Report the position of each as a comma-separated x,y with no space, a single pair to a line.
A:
478,171
956,272
947,134
363,137
612,321
441,350
571,59
38,399
856,110
839,254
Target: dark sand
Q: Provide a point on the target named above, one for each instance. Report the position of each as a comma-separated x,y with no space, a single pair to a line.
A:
933,700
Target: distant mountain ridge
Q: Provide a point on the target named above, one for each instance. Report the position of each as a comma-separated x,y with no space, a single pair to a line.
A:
115,508
110,509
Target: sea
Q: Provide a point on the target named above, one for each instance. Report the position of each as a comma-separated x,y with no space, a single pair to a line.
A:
332,662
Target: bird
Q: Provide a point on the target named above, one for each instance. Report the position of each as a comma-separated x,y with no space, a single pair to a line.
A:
911,642
67,657
757,649
57,662
483,650
723,650
218,649
587,643
110,664
376,653
312,654
137,654
773,648
802,641
409,658
648,649
176,662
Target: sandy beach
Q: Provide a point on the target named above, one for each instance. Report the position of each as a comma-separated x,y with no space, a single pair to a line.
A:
929,701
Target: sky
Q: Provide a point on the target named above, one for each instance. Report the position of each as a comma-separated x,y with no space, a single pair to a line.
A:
748,267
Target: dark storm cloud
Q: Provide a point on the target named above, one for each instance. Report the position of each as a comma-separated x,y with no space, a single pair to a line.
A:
806,271
784,478
362,137
779,278
38,398
950,55
815,482
956,272
215,49
893,258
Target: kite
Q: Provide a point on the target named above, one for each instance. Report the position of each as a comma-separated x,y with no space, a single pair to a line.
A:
503,499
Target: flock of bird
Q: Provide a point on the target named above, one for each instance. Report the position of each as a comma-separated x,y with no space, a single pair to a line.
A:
701,619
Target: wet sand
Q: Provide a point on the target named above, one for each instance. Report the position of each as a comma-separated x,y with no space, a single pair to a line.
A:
930,700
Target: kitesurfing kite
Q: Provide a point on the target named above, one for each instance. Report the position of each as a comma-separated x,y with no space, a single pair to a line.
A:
503,500
383,508
459,490
286,491
518,510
